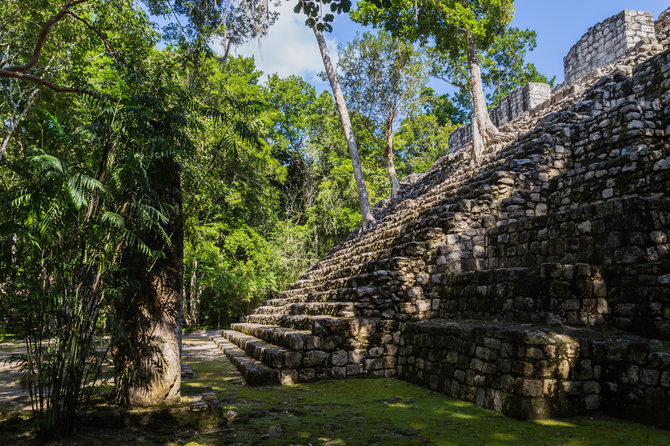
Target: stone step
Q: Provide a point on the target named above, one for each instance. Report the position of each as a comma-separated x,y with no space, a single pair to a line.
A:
632,298
296,340
278,358
255,373
375,279
337,309
295,322
361,253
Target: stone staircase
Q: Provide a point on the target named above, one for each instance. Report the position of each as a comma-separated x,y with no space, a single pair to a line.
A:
536,285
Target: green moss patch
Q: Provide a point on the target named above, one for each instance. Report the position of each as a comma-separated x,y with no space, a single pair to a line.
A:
352,412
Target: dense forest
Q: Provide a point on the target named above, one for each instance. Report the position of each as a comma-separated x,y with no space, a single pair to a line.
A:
147,179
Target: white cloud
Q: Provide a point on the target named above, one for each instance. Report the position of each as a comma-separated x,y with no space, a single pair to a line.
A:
290,48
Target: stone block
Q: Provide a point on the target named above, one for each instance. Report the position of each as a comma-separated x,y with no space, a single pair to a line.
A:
649,377
354,369
339,358
373,364
592,402
292,360
315,358
338,372
530,387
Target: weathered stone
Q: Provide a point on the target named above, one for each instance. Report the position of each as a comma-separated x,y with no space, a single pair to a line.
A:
315,358
339,358
561,232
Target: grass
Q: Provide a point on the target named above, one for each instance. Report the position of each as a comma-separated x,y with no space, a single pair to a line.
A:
389,411
354,412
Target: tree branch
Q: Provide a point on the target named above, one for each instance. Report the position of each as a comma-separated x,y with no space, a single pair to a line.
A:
100,34
16,120
58,89
454,83
43,36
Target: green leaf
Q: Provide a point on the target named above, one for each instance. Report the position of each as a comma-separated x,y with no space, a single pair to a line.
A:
113,219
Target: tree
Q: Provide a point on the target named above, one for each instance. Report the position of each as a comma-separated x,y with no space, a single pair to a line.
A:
457,27
210,22
320,190
319,23
290,138
503,69
446,108
366,213
230,196
383,79
123,119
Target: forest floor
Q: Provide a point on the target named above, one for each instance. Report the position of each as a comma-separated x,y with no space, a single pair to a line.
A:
12,397
349,412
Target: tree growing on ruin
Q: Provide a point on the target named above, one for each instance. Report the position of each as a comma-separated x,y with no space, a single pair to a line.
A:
455,27
504,68
383,78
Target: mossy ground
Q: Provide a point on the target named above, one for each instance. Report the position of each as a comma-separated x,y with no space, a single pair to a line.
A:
353,412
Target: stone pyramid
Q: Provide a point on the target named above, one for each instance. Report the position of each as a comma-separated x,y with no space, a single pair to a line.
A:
535,285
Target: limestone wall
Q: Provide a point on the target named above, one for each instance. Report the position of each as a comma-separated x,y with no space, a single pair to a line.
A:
526,371
607,41
603,45
632,298
511,107
520,101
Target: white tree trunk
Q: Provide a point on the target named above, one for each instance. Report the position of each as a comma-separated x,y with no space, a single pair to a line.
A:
368,219
393,177
477,144
488,132
193,315
16,119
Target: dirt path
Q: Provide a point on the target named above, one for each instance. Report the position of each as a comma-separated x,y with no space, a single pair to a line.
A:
197,347
12,397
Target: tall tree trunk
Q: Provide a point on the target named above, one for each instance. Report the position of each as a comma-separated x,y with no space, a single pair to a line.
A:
488,132
393,177
477,144
147,361
368,219
194,297
223,60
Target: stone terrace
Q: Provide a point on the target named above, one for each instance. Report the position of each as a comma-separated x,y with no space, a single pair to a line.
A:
537,285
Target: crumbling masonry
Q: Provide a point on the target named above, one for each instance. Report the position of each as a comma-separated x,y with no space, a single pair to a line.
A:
537,285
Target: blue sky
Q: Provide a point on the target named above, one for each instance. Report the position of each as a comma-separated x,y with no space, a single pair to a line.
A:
290,47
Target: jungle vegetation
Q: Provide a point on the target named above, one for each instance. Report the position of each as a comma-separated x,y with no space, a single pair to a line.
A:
149,183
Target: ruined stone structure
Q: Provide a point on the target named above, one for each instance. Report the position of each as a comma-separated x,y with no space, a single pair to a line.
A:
512,106
608,41
537,285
